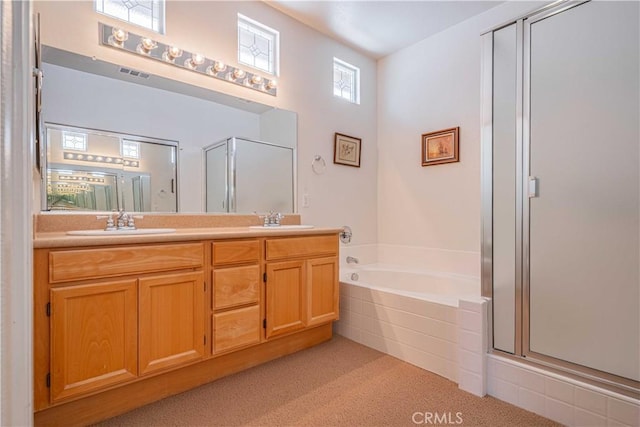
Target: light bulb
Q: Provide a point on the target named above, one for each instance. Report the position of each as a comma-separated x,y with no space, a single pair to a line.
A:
172,53
238,74
119,35
146,45
193,62
271,84
197,59
219,66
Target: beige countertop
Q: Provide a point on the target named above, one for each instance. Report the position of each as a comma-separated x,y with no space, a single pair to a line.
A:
60,239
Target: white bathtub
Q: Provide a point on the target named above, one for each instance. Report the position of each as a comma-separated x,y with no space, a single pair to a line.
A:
430,286
433,320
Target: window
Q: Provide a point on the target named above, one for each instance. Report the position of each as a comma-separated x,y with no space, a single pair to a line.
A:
74,141
258,45
130,150
346,81
146,13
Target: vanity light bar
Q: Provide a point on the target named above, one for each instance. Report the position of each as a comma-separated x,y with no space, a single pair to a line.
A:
80,178
100,159
120,39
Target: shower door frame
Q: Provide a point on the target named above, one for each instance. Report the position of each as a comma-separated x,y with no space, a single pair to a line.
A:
522,350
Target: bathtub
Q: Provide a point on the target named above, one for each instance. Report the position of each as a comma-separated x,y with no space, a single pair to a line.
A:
433,320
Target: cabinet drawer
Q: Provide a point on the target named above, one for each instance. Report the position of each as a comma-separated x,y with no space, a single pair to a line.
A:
236,328
236,252
236,286
106,262
302,246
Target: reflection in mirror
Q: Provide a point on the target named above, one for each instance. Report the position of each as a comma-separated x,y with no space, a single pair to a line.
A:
138,102
244,175
103,171
69,189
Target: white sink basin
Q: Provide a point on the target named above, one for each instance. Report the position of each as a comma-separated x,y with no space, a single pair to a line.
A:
282,227
121,232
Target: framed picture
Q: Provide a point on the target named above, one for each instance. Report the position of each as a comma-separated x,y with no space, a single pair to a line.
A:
346,150
440,147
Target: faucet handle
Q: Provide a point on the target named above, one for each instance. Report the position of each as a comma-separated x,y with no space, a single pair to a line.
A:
110,222
278,217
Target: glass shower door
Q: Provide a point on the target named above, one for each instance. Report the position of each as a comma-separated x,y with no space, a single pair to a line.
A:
584,188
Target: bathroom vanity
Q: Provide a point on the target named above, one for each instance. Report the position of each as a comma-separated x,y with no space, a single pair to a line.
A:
122,321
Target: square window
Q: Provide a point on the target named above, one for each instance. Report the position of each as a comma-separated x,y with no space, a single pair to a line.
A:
258,45
130,150
145,13
346,81
74,141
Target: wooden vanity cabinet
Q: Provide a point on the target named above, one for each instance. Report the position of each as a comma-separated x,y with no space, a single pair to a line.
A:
302,291
120,326
117,313
237,311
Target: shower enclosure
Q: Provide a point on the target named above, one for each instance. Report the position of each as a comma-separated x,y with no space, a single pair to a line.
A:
245,176
561,189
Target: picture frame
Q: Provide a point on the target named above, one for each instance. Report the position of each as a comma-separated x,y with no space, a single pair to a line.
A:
346,150
440,147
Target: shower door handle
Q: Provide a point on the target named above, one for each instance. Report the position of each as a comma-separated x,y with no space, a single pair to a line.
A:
533,187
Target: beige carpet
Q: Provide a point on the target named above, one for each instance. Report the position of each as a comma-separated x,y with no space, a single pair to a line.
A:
338,383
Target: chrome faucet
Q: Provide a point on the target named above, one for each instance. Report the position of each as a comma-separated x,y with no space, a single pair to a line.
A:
124,221
352,260
272,219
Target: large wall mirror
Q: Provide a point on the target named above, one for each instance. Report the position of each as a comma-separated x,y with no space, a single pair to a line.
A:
85,94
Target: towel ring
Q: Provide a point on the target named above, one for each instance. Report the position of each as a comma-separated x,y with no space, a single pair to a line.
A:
318,165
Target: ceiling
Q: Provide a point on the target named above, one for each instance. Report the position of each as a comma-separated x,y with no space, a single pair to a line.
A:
379,28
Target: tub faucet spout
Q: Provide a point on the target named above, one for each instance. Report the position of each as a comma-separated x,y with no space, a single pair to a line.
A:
352,260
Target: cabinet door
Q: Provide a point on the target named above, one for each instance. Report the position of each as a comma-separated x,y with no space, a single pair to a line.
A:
93,337
286,297
171,330
322,279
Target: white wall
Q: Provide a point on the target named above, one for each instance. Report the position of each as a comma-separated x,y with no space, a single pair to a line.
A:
433,85
343,195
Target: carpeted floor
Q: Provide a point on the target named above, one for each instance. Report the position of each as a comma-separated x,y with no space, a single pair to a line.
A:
337,383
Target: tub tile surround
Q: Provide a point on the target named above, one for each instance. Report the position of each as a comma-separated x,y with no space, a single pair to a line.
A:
432,336
472,323
443,339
